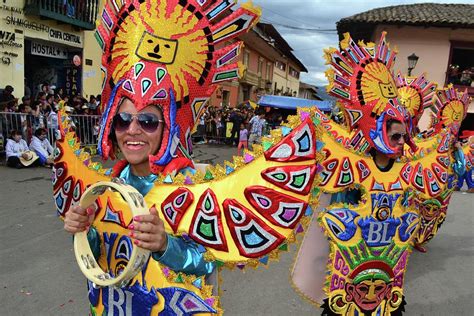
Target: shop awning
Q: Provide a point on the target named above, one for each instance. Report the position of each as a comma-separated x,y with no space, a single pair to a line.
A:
283,102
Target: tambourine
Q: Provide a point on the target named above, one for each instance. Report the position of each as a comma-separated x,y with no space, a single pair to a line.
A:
82,249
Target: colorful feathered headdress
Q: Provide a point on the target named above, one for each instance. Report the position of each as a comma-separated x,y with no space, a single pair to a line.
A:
362,80
415,94
451,106
168,53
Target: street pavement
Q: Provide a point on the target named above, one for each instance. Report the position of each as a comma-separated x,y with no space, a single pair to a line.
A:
39,275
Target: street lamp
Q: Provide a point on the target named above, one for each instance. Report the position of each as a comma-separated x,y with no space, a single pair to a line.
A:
412,60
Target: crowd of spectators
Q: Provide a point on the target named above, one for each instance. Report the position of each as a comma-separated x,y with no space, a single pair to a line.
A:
224,125
229,125
40,111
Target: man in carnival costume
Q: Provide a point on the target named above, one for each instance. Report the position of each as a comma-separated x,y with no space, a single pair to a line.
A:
372,219
160,66
417,94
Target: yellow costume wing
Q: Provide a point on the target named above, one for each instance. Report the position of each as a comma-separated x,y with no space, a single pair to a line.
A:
244,212
248,210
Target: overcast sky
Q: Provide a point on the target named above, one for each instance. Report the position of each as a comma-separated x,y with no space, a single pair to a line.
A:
308,45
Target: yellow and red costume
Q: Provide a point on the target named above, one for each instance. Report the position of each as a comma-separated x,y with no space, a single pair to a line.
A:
371,237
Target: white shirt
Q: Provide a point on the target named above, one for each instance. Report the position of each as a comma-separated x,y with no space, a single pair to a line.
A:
53,120
16,149
41,147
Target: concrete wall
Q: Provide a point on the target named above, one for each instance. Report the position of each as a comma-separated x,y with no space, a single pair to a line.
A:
91,75
284,80
432,45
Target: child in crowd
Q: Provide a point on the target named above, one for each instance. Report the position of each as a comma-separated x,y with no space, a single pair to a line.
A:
243,139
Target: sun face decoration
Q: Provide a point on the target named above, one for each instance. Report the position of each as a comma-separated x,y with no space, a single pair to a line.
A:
410,99
453,113
452,108
377,86
157,39
415,94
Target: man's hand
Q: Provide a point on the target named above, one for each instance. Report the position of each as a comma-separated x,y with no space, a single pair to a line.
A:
149,231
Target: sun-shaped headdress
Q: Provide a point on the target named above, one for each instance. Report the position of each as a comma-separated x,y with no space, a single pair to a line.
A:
451,106
169,53
415,94
361,78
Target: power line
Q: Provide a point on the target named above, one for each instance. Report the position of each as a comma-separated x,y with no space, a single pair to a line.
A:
315,28
300,28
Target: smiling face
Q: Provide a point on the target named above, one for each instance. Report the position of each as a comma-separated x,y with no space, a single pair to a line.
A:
137,144
157,49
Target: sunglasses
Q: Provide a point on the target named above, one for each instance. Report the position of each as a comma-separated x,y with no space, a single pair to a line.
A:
149,122
397,136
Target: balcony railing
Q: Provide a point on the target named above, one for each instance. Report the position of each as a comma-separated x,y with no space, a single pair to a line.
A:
80,13
250,78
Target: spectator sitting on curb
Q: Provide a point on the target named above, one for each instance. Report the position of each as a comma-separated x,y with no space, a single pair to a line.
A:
17,149
41,146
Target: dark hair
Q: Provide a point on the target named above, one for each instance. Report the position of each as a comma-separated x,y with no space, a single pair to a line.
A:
41,93
35,105
15,132
390,122
21,107
40,131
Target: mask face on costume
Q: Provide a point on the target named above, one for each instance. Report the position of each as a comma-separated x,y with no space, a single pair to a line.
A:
157,49
453,113
378,87
368,294
415,94
388,90
452,108
430,210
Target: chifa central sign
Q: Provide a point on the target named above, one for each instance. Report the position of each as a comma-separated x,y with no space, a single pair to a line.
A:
65,37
